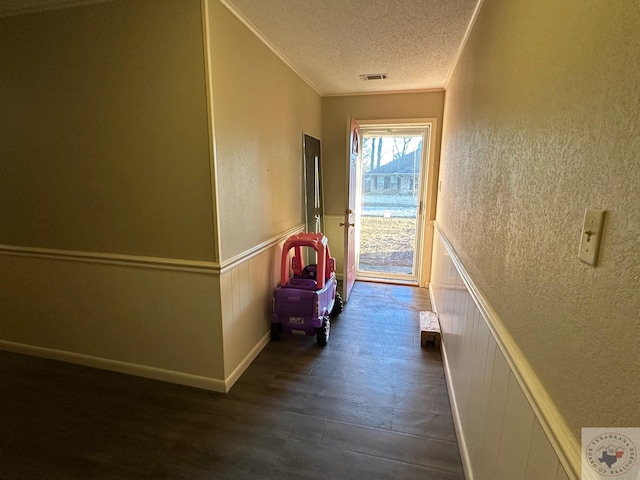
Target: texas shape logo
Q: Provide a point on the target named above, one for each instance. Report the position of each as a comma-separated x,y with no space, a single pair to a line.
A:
611,454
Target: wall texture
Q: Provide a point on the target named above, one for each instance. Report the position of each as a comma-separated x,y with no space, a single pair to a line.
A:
261,109
501,434
103,132
127,128
107,234
543,121
115,165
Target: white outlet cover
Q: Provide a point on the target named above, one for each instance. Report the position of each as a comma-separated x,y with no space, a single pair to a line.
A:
591,236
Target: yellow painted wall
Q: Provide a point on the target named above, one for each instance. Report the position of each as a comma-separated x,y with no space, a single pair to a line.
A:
104,148
261,109
542,120
103,130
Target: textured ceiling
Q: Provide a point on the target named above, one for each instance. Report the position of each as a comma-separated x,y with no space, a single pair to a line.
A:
331,42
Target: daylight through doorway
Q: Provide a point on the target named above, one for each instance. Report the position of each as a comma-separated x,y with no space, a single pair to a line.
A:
390,203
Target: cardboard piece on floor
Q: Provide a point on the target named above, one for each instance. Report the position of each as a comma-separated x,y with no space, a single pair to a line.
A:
429,329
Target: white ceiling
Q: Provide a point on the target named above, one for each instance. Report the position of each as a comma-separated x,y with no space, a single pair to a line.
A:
331,42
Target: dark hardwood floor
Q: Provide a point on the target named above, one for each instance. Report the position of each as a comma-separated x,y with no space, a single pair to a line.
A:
372,404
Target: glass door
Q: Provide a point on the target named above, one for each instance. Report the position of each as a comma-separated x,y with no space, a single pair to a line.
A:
391,202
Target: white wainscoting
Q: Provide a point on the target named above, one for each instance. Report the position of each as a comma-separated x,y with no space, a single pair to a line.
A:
335,233
507,426
148,320
247,285
193,323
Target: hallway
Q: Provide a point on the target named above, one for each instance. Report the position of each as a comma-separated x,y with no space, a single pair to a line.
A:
372,404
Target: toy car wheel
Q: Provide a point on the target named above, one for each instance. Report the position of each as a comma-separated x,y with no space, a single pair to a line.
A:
338,305
310,271
322,333
276,331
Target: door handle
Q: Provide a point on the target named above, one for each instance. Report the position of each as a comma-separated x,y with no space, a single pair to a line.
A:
342,224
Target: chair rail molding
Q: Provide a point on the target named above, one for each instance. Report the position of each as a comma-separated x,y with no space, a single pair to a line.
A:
553,423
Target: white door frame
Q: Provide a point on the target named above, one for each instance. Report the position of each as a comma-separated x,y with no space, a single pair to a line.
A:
428,194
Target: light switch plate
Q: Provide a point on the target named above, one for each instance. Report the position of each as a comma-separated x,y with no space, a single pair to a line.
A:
591,236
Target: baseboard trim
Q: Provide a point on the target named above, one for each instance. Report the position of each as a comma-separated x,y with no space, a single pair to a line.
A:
154,373
457,421
251,356
553,423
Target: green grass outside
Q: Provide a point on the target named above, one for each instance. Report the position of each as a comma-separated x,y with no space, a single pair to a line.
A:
387,242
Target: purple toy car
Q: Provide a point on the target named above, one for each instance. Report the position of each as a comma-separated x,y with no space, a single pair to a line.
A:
307,295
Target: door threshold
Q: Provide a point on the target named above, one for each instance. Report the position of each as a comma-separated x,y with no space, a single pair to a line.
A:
391,281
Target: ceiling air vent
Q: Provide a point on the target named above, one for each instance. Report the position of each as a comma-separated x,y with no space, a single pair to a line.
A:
374,76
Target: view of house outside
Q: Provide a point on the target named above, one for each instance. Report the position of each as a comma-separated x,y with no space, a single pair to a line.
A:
391,172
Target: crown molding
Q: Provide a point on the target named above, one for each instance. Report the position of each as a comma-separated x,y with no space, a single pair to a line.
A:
247,23
46,5
463,44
